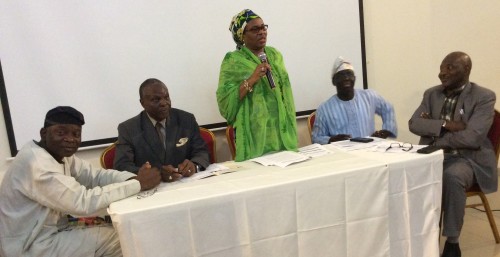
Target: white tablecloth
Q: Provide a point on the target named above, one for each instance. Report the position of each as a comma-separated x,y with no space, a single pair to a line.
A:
415,184
342,204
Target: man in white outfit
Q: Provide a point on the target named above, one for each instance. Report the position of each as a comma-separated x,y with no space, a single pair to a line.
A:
46,182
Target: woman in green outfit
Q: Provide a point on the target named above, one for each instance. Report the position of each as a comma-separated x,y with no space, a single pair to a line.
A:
263,117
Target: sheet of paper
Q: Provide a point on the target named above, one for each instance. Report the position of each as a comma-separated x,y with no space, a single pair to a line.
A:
314,150
281,159
214,169
347,145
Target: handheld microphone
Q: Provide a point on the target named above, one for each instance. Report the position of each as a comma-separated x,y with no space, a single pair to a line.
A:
269,75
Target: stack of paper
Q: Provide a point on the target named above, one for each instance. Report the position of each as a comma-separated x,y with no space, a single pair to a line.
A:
281,159
314,150
214,169
348,145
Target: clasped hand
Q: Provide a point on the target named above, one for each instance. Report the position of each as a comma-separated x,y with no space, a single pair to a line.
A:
339,137
148,177
382,133
260,70
185,169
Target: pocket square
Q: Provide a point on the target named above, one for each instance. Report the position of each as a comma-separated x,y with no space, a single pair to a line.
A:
182,142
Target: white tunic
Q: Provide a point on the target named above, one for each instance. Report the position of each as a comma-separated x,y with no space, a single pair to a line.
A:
37,191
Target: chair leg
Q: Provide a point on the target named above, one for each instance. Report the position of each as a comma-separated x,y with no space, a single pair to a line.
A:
491,219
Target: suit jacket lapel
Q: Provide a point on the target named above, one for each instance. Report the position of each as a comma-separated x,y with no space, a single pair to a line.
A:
462,102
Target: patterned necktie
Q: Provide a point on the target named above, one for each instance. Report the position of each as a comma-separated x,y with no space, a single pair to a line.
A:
161,132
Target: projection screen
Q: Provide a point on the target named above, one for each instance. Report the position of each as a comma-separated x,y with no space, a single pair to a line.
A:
93,55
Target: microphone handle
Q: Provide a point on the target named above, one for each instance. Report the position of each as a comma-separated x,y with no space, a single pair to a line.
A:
269,75
270,79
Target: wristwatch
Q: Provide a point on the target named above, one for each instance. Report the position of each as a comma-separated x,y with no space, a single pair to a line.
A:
444,124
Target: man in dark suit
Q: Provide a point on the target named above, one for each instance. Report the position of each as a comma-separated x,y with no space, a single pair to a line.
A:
456,117
168,138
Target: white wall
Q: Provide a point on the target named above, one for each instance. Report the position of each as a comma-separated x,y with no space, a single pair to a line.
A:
407,40
405,43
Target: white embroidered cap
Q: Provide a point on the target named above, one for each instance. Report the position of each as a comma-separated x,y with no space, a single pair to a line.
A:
340,64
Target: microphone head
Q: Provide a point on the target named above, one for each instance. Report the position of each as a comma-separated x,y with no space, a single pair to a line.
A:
263,57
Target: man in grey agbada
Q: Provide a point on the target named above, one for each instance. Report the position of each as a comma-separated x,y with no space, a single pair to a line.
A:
456,116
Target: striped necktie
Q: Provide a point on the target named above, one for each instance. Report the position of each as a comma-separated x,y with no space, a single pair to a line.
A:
161,132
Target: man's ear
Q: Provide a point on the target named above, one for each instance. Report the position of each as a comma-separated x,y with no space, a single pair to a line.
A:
468,68
142,102
43,132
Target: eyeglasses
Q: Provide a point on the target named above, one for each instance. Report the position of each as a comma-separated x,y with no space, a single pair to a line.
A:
148,193
405,146
257,29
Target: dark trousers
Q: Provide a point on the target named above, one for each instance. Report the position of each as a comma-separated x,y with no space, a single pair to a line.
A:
458,176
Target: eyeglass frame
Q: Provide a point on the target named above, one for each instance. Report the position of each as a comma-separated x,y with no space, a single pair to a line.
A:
256,29
402,146
148,193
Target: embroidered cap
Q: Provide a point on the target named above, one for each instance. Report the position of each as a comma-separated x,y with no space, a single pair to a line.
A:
340,64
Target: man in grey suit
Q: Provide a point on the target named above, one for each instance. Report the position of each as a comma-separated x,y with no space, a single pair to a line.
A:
456,116
168,138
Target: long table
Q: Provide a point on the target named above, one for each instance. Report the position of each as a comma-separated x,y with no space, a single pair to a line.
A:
342,204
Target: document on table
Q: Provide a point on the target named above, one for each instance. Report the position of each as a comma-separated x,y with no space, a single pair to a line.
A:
281,159
377,145
314,150
214,169
348,145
